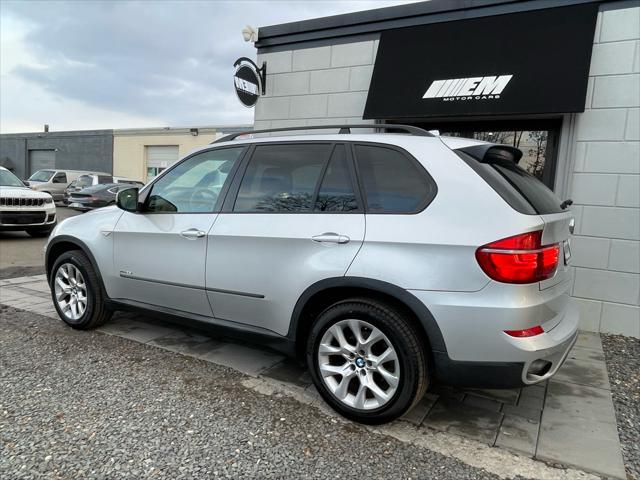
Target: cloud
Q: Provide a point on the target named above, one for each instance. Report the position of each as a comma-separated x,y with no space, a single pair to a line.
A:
166,62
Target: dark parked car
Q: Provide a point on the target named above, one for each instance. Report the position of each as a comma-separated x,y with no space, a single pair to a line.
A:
98,195
92,180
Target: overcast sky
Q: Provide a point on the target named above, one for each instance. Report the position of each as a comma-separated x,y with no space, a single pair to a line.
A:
87,64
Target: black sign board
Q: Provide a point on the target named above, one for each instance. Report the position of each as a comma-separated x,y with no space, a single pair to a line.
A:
517,63
248,81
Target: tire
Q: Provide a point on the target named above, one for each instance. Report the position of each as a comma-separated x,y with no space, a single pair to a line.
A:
95,312
398,335
39,232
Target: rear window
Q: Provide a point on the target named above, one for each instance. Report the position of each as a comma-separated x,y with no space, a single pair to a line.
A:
521,190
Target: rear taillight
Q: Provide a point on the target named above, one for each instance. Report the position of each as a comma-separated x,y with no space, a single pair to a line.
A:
529,332
519,259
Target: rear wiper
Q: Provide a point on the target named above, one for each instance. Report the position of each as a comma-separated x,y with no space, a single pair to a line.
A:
568,202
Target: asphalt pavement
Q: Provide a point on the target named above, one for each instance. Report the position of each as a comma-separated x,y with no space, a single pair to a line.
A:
21,254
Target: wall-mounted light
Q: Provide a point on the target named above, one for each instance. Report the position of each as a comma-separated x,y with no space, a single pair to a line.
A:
194,132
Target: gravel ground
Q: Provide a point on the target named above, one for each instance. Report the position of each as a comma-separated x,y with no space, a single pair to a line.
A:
86,405
623,365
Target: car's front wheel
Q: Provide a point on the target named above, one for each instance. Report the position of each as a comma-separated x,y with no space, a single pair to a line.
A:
77,291
367,360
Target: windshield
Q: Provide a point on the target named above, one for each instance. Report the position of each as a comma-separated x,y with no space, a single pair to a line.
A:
42,176
84,181
8,179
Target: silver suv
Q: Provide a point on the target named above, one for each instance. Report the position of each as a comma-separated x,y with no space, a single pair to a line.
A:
385,261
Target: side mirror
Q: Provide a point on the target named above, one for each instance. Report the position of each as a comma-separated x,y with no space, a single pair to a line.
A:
127,199
25,182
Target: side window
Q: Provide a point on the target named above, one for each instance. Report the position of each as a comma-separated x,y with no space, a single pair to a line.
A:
336,191
60,177
392,182
282,178
194,185
105,179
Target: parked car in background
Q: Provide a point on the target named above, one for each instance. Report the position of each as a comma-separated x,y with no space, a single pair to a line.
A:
55,181
67,192
24,209
92,179
462,274
97,196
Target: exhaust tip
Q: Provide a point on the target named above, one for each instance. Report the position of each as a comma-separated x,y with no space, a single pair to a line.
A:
539,368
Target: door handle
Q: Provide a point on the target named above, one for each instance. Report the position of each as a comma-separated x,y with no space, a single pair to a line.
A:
193,233
330,237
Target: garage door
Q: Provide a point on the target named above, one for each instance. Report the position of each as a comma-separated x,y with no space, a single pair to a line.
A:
160,157
41,160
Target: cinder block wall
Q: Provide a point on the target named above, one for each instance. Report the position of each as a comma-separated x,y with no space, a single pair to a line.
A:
329,84
606,179
316,86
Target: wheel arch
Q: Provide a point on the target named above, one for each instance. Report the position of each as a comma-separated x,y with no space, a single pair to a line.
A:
65,243
324,293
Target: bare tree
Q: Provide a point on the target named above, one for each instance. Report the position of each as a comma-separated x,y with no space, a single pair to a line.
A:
539,140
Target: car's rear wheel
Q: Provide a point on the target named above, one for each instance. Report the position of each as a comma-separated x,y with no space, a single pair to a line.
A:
367,361
77,291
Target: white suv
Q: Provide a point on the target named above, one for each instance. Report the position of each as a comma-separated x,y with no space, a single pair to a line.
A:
385,261
24,209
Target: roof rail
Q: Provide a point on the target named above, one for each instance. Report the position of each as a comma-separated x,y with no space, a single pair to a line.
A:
410,129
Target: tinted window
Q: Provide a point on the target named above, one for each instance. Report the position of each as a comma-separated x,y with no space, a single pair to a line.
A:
194,185
392,182
520,189
336,191
60,177
541,198
105,179
282,178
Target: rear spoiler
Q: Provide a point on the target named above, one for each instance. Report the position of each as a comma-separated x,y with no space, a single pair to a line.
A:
488,152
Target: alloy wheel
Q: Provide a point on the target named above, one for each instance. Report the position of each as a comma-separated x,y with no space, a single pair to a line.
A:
358,364
71,291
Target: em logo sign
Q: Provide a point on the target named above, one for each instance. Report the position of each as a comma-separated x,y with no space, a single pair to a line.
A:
473,88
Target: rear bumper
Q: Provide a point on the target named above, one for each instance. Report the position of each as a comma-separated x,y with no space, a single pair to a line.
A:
83,206
499,374
477,351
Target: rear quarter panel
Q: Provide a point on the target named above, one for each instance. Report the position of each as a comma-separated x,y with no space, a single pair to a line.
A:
435,249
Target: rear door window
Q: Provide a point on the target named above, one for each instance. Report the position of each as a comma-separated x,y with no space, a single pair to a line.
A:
336,192
282,178
392,182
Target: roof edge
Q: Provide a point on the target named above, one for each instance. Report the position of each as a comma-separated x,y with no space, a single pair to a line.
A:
376,20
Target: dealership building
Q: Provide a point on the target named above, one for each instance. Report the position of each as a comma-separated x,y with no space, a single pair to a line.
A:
136,154
558,79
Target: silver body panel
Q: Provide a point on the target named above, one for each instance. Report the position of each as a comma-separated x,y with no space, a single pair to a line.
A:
158,265
273,258
251,269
